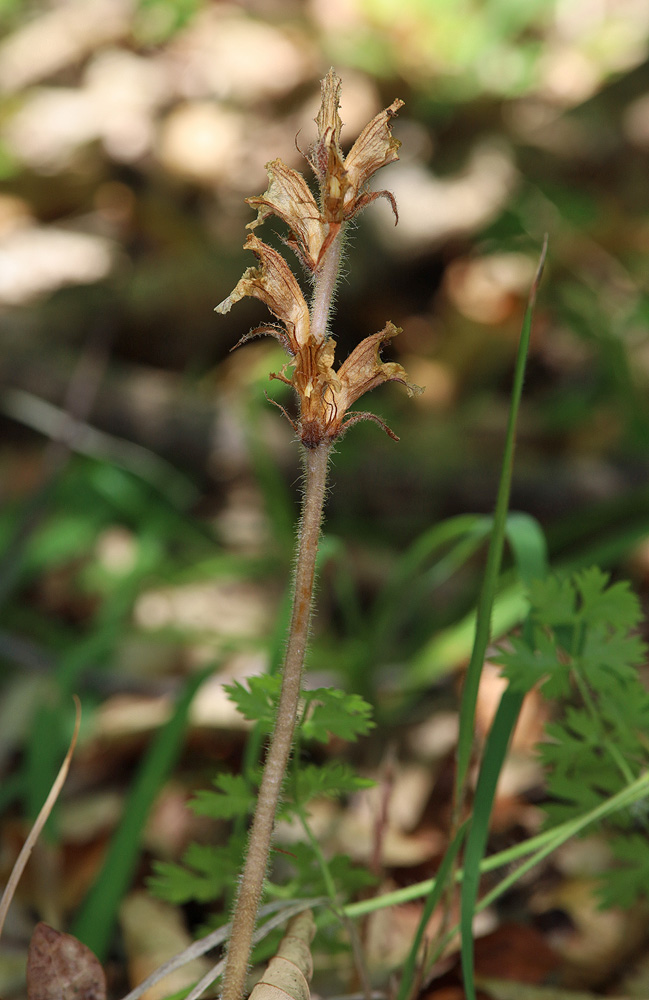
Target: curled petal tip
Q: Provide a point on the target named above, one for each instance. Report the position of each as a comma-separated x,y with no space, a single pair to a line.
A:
225,306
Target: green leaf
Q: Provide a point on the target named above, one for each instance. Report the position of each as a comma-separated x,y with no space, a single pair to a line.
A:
204,876
258,701
173,883
609,656
308,877
616,604
330,712
627,882
526,664
581,772
553,600
584,651
331,779
234,796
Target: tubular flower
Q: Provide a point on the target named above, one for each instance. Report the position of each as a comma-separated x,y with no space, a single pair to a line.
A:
324,394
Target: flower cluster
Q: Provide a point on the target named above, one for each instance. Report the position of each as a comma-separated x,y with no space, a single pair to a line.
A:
324,394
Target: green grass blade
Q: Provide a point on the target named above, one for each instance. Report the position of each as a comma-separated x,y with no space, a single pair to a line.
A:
535,850
488,593
527,540
95,921
529,548
553,839
434,896
528,544
530,552
491,765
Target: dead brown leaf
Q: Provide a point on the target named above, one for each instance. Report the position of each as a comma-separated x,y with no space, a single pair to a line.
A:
289,972
60,967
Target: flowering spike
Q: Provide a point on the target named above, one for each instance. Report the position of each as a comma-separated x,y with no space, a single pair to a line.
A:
324,397
324,394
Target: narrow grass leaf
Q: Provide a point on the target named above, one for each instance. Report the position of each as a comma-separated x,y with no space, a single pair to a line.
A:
491,765
434,896
492,569
535,850
528,545
527,540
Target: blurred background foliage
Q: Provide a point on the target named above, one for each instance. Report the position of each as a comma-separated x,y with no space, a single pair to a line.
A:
148,489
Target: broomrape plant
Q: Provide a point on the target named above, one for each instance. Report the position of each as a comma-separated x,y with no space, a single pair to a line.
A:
324,397
578,644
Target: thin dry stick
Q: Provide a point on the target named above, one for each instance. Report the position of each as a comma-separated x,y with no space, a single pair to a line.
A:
40,820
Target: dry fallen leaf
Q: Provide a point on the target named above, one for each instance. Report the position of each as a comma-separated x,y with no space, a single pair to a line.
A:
290,971
60,967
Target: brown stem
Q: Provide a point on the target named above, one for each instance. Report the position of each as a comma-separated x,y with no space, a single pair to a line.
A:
254,870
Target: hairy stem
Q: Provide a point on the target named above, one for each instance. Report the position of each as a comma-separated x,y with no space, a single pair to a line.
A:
254,870
325,284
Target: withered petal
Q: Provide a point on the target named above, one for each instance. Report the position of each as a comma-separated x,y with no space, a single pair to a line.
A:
274,284
374,148
328,120
288,196
325,155
324,361
363,370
